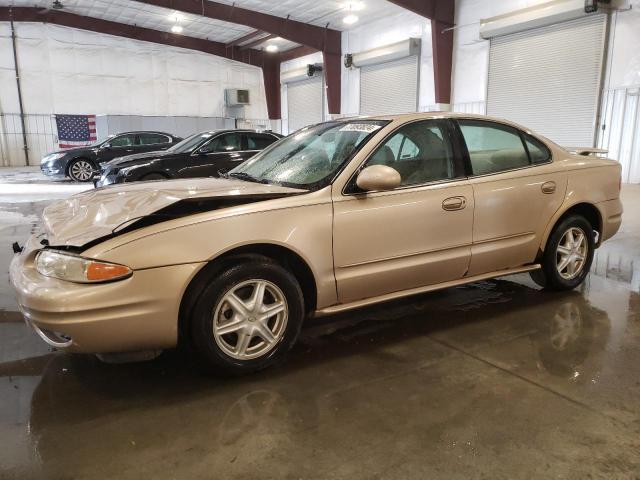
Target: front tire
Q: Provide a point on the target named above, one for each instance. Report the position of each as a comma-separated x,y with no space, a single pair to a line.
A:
567,256
81,170
247,317
153,176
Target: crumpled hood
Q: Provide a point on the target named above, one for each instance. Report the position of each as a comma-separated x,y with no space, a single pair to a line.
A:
137,157
94,214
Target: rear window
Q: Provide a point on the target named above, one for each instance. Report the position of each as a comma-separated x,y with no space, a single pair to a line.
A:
538,151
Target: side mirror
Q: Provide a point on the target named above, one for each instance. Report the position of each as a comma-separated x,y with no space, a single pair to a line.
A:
106,146
378,177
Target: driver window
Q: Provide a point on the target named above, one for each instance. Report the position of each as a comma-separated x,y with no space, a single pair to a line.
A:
420,151
229,142
123,141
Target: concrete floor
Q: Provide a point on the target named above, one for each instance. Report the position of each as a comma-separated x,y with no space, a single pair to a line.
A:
492,380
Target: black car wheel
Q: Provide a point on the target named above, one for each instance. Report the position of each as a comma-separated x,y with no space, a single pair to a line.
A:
81,170
567,256
153,176
247,317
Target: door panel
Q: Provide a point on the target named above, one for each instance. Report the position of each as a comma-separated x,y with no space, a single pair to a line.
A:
391,241
511,212
517,190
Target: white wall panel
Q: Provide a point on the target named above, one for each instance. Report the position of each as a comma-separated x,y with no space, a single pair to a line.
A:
71,71
392,29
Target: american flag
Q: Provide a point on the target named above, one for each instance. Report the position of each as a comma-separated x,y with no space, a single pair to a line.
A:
76,130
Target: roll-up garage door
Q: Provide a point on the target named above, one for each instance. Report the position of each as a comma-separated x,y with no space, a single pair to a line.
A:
390,87
548,78
304,102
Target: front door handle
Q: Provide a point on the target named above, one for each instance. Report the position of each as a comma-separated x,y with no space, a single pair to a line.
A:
548,187
454,203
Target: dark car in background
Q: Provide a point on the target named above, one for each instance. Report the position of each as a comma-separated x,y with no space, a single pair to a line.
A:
82,163
205,154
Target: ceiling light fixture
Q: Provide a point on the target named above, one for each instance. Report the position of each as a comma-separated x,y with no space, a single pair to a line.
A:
176,17
177,29
353,6
271,48
350,19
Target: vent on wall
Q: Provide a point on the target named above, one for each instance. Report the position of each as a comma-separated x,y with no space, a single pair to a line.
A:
235,97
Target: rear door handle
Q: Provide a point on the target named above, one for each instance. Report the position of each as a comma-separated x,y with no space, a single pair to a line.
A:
548,187
454,203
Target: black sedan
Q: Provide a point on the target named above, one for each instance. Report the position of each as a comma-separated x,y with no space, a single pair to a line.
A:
81,164
206,154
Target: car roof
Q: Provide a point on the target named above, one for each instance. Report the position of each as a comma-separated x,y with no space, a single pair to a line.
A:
405,117
251,130
145,131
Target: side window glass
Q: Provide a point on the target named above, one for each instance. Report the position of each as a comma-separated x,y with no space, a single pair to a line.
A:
228,142
538,153
152,139
421,152
259,141
123,141
493,147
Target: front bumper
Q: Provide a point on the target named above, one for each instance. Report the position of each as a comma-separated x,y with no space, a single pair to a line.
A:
54,168
106,177
611,215
138,313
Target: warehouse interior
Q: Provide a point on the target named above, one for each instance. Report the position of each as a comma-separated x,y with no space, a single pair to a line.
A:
492,379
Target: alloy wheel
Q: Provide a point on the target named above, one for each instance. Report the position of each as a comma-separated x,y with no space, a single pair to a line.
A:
250,319
571,253
81,171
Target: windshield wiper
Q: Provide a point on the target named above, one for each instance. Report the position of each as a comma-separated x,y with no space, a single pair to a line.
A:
245,176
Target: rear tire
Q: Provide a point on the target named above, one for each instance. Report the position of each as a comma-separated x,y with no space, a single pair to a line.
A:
246,318
567,256
153,176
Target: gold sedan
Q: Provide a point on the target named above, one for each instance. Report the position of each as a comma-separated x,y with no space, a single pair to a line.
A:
336,216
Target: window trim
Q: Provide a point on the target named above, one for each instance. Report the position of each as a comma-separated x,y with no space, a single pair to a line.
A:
457,160
521,134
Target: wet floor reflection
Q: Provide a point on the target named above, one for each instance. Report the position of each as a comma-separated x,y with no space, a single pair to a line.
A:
458,362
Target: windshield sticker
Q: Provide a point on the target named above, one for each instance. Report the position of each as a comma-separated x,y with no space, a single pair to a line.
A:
360,127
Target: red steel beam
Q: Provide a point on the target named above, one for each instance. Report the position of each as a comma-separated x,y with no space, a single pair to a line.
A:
320,38
244,38
439,10
296,52
271,77
442,41
441,13
258,41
